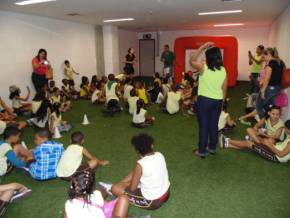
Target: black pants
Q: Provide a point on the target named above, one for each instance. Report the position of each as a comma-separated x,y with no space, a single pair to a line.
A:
208,111
38,81
254,83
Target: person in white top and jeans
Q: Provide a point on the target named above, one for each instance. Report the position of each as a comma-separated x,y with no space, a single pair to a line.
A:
148,185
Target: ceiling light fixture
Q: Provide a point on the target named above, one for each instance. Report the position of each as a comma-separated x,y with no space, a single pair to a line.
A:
220,12
228,24
118,20
30,2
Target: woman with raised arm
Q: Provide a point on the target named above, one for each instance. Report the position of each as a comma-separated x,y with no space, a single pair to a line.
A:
211,92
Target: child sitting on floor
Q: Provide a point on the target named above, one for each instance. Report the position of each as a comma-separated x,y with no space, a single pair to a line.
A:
186,96
85,201
51,87
41,117
142,92
165,86
56,121
270,128
141,118
127,88
157,79
173,100
10,193
68,90
147,186
94,83
18,156
132,101
225,120
19,103
112,95
56,97
99,94
7,111
85,88
47,155
156,93
72,159
277,152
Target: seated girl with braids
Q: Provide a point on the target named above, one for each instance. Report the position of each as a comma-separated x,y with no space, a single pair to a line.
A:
85,201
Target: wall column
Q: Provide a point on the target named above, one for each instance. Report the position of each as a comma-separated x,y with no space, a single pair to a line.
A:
111,49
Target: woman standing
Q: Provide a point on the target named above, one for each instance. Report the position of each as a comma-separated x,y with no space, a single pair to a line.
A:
211,92
129,61
41,67
270,87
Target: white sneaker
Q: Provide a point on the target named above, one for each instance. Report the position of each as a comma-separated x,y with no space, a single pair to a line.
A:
107,187
223,141
247,137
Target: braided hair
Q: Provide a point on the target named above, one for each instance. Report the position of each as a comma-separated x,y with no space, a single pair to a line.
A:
82,185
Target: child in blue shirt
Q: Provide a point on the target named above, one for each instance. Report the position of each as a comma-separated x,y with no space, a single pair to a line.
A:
13,154
47,155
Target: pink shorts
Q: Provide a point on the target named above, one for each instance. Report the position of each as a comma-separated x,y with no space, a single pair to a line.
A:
109,207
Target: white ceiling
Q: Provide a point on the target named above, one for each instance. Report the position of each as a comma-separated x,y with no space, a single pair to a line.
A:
155,14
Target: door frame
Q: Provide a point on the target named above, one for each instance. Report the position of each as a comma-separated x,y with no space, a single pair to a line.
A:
140,54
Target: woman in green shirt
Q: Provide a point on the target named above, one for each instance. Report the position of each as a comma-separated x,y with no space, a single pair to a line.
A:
211,92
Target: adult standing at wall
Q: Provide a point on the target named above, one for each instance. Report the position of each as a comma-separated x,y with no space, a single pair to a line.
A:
168,60
42,70
211,92
130,60
271,85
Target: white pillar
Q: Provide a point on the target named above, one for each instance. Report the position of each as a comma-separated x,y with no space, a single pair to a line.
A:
111,49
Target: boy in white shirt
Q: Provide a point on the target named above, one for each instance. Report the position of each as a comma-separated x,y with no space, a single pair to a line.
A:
72,159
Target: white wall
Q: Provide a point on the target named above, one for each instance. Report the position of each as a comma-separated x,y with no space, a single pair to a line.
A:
22,35
248,39
279,37
128,39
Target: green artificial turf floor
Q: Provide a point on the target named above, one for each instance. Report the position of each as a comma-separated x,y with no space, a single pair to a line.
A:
229,184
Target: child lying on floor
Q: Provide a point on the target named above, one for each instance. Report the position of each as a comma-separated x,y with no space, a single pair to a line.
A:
147,186
141,119
85,201
277,152
72,159
12,153
47,155
10,193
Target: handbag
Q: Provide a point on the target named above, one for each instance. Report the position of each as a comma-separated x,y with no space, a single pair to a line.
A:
49,74
285,79
282,100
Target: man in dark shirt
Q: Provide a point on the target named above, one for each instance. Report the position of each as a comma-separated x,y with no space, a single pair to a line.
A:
168,59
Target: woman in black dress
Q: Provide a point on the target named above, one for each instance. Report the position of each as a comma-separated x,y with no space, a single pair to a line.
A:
129,61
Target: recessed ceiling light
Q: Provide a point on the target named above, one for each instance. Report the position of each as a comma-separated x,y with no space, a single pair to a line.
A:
220,12
228,24
118,20
30,2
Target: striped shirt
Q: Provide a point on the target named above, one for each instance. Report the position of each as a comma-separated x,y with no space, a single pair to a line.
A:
47,156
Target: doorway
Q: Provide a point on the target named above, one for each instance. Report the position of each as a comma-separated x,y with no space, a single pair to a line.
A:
147,57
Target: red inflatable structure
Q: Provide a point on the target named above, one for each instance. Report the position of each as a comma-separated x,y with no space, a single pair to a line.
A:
228,43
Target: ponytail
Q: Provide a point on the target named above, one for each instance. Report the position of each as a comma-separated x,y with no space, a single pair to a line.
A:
140,105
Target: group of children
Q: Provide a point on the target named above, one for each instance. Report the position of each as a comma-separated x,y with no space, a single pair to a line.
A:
147,186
